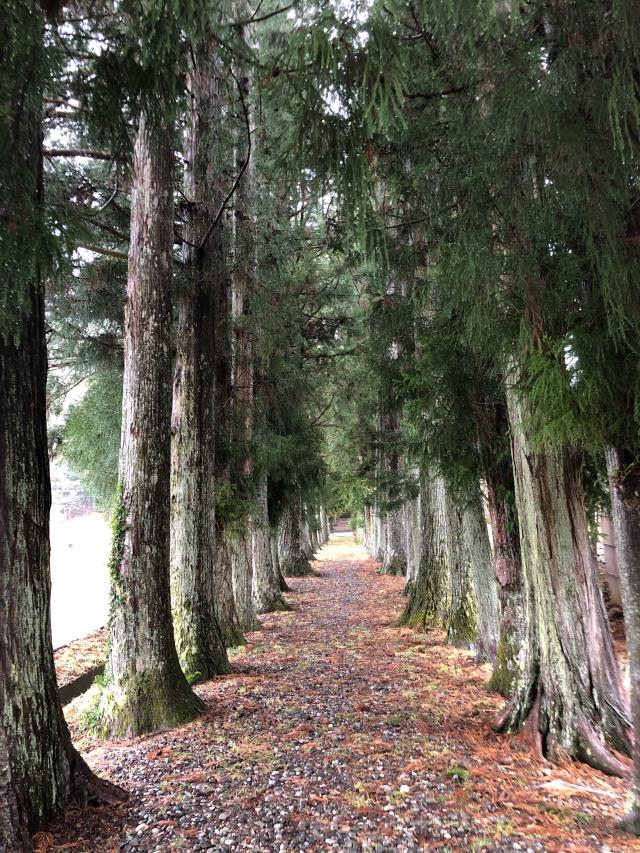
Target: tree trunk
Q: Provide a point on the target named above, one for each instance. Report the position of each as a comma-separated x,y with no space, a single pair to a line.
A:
462,625
478,548
394,560
567,690
307,547
40,771
267,595
242,573
273,541
428,598
412,534
199,643
493,437
293,560
225,602
624,479
146,688
368,529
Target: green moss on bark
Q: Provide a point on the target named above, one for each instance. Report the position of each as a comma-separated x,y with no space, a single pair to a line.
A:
144,702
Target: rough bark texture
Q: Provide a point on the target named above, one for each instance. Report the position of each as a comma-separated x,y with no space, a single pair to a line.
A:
624,478
146,688
394,560
199,643
273,542
291,555
242,574
243,291
493,436
267,595
40,771
307,545
428,596
461,622
225,603
412,533
568,688
478,548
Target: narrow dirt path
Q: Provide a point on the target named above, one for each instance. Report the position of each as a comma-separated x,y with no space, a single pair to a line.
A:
340,732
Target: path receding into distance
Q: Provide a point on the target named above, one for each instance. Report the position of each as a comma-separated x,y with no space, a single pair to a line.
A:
338,731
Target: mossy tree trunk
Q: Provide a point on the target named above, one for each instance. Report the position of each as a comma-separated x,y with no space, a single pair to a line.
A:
267,595
199,643
292,558
146,688
40,771
624,478
567,691
475,537
428,597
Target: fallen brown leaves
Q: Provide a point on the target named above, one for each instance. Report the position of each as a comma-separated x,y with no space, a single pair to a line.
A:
349,724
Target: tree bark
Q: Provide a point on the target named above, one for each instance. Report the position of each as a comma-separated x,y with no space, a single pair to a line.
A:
267,595
394,561
492,429
292,558
199,643
146,688
428,598
476,544
243,291
567,690
624,479
461,619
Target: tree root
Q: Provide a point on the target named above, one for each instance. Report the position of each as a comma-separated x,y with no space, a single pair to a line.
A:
87,788
589,748
593,752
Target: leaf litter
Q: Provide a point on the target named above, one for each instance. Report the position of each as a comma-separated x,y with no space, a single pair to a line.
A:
338,731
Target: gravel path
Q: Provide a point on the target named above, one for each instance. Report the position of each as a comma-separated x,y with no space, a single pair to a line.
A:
340,732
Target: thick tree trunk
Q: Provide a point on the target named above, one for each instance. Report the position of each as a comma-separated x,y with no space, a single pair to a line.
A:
292,558
40,771
146,688
394,561
267,595
412,534
428,598
568,688
275,556
478,548
225,602
199,643
493,437
307,546
624,478
242,573
368,529
462,626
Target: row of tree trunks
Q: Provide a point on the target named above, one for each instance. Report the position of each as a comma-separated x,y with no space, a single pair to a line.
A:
199,642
